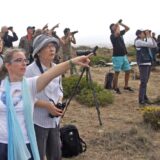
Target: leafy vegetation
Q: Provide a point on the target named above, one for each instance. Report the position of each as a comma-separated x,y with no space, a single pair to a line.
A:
100,60
151,116
84,92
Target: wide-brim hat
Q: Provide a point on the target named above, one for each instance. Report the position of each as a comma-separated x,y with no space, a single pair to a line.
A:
41,41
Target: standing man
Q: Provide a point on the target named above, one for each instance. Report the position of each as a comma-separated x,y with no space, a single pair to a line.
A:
66,41
119,58
26,43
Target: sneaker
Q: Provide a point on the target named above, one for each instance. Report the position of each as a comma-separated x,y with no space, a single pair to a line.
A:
117,90
142,104
128,89
147,100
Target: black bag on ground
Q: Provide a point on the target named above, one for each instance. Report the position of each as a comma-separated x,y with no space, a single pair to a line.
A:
108,83
72,144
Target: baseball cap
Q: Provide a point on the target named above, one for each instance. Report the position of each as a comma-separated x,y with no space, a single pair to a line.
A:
30,27
138,32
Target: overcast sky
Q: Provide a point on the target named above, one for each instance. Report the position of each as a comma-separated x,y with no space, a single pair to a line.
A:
90,17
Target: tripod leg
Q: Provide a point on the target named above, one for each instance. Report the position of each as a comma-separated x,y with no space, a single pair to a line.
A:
94,95
73,92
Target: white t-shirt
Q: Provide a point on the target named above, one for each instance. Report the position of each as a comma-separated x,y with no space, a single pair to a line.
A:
18,104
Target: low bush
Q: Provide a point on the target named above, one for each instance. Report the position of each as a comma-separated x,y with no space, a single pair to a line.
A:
84,92
151,116
97,60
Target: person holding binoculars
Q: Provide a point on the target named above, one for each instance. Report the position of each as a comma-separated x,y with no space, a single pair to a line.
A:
67,50
119,57
8,39
144,42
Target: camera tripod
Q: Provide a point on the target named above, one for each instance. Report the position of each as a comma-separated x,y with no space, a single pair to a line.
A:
89,80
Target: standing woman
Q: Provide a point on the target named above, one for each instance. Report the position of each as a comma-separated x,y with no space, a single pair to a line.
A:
46,127
17,97
143,43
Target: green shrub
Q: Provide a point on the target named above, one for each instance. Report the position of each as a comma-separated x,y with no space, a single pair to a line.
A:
84,92
151,116
86,97
96,60
69,84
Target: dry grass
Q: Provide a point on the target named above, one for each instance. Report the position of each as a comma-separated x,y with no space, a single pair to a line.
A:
123,135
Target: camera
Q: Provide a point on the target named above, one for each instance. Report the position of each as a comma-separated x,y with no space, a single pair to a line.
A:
59,106
10,28
86,52
74,32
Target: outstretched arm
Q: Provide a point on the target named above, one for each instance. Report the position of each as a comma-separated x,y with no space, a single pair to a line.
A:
59,69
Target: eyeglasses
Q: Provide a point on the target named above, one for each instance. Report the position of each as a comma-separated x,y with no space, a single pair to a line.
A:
20,61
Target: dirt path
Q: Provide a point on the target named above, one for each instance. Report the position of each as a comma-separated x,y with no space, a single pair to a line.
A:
123,136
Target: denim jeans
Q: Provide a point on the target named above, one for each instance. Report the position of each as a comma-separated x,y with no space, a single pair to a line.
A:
144,77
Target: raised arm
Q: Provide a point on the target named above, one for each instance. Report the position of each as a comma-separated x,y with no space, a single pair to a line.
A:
73,40
116,28
150,42
125,27
54,27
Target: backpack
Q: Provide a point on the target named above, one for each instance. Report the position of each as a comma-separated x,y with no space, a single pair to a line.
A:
72,144
108,83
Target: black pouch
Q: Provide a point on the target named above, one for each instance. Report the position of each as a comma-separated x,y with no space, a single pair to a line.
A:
108,82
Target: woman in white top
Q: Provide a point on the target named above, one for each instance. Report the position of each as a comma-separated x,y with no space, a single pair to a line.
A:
17,97
47,126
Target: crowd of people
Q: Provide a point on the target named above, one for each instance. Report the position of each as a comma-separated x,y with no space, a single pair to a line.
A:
30,89
8,36
31,84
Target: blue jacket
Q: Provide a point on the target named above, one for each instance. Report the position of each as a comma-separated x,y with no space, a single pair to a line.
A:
143,55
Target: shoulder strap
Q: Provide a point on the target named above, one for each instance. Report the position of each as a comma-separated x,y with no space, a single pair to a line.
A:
39,65
84,145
